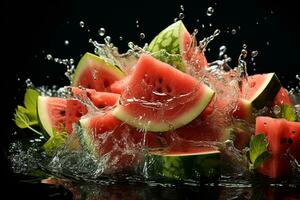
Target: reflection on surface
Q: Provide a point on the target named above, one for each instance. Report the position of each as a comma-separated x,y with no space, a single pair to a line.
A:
124,191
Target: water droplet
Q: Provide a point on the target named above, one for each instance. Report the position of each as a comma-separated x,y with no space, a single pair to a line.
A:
197,20
142,35
181,16
267,43
131,45
244,53
233,31
222,50
29,83
217,32
175,19
81,24
210,24
67,42
182,7
203,26
254,54
120,38
49,57
210,11
244,46
107,39
101,31
276,109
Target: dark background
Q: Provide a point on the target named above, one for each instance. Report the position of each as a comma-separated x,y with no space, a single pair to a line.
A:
32,29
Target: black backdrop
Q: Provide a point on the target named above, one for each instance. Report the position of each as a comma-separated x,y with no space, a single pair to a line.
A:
34,28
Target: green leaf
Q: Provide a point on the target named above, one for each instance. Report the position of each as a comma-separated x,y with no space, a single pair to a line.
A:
26,117
22,120
258,150
57,140
261,159
30,101
288,112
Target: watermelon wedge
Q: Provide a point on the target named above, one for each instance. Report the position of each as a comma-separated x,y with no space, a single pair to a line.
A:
52,113
261,89
60,114
257,92
161,98
96,73
174,45
284,144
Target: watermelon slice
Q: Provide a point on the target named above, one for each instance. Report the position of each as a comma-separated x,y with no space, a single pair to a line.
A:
52,113
183,162
60,114
96,73
161,98
174,45
284,144
261,89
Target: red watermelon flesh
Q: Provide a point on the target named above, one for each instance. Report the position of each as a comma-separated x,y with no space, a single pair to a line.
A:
121,143
120,86
192,53
95,73
160,97
284,141
75,109
282,98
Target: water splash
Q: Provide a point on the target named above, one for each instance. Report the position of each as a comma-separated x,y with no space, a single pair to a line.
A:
210,11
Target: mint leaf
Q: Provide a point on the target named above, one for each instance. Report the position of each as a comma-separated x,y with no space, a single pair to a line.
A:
26,117
22,120
288,112
30,101
258,150
55,141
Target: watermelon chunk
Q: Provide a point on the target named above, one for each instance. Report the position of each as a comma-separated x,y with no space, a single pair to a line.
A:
284,144
96,73
174,45
161,98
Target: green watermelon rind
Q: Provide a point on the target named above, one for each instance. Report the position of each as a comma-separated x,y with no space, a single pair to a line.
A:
170,41
186,166
101,64
43,115
144,124
266,94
